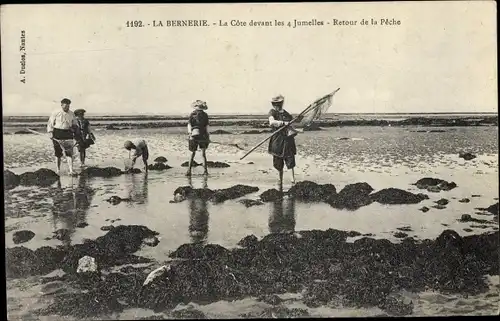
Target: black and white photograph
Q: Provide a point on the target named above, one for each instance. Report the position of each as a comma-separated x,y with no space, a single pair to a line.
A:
250,160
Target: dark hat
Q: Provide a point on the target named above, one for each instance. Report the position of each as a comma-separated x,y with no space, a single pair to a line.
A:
65,101
79,111
278,99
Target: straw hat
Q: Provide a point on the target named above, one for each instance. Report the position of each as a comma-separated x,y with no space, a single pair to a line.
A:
200,104
278,99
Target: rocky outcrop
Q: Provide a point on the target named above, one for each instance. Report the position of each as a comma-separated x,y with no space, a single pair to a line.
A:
435,185
10,180
216,196
308,191
397,196
42,177
101,172
158,167
22,236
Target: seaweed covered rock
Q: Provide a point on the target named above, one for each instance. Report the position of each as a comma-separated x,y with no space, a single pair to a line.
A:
493,209
101,172
186,164
211,164
233,192
158,167
160,159
467,156
22,236
352,196
10,180
434,184
311,192
42,177
250,202
199,251
397,196
271,195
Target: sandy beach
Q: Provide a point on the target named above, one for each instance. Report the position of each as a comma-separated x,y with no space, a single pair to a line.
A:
382,157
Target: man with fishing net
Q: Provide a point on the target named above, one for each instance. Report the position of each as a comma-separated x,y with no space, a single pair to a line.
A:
60,127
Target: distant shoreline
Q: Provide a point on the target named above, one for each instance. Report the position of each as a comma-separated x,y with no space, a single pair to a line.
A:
260,122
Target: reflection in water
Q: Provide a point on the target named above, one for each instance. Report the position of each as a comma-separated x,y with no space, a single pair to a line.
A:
70,206
282,216
137,188
198,216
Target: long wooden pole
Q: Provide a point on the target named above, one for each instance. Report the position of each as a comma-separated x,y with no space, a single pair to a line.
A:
291,122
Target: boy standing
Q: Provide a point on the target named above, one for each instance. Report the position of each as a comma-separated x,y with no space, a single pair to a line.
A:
198,133
83,136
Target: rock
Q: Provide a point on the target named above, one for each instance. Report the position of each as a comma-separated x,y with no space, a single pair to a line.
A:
133,171
220,132
115,200
198,251
253,132
211,164
10,180
233,192
151,241
101,172
158,167
195,164
183,192
160,159
468,229
467,156
433,189
464,200
397,196
493,209
311,192
107,227
352,197
20,261
250,203
400,235
465,218
434,184
424,209
442,201
439,207
42,177
249,241
87,265
111,127
405,229
62,234
475,195
157,273
271,195
22,236
82,224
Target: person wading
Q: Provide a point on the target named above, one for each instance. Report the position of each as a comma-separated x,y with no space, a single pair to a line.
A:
83,135
282,144
140,148
198,133
60,127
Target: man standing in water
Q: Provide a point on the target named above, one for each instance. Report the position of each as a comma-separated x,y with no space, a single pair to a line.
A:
60,127
282,145
140,148
198,133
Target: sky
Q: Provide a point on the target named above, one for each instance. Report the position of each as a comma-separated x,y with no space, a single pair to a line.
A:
442,58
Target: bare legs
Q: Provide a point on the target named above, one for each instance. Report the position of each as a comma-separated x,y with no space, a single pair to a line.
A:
293,177
190,163
204,154
58,164
82,158
70,164
191,160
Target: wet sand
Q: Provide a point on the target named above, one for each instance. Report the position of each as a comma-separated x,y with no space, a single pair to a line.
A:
381,157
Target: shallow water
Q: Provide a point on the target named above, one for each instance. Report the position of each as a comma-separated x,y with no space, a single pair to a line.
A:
383,157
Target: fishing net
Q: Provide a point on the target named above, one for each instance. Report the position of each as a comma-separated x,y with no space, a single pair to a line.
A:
316,110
